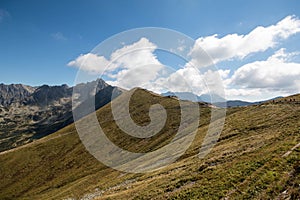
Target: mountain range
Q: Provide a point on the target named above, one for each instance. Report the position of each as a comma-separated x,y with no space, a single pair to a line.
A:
28,113
214,99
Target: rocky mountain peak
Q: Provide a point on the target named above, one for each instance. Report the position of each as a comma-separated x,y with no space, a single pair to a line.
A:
45,94
14,93
28,113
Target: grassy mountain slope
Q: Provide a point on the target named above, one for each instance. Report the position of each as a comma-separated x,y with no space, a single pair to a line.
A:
249,160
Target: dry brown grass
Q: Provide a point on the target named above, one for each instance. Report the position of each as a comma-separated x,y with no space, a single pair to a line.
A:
246,163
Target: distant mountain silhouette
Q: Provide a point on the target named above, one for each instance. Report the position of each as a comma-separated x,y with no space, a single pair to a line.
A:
213,99
208,98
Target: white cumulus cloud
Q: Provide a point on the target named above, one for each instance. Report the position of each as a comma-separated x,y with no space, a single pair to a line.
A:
239,46
130,66
136,65
90,62
274,73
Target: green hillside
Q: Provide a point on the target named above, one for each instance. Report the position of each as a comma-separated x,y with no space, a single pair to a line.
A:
253,159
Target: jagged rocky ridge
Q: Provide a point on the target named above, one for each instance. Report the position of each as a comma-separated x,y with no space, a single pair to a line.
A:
28,113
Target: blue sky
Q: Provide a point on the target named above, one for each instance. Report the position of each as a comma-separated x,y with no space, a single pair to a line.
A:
39,38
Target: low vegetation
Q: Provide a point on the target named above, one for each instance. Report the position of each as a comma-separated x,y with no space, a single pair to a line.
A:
249,160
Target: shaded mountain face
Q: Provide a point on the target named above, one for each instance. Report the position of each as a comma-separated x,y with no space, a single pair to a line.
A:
28,113
13,93
47,95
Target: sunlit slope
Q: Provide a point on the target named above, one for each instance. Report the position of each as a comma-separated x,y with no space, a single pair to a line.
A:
247,161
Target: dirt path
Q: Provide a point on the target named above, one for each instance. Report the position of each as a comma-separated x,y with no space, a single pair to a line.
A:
290,151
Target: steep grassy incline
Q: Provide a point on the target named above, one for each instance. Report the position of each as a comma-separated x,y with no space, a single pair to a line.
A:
249,161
